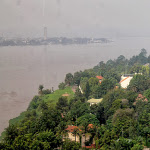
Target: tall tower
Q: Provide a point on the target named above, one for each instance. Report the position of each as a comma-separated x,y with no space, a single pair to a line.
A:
45,33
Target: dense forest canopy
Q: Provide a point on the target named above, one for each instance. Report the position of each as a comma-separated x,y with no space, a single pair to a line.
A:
120,121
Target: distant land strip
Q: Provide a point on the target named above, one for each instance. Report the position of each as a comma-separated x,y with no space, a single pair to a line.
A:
47,41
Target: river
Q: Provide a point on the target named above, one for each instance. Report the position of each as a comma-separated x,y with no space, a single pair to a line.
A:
23,69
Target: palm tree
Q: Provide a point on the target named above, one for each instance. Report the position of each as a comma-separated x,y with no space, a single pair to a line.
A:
85,128
93,132
75,132
41,89
61,129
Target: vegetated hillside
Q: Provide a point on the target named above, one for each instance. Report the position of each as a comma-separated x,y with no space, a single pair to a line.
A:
120,121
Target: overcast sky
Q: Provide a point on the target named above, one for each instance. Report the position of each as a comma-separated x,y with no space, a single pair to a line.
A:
71,18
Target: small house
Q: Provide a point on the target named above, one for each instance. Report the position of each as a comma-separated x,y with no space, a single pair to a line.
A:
75,137
125,80
70,129
100,78
94,101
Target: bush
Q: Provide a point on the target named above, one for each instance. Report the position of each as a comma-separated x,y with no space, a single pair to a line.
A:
71,145
62,86
47,91
34,103
137,147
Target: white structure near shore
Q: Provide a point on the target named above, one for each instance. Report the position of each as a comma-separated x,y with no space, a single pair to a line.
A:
125,80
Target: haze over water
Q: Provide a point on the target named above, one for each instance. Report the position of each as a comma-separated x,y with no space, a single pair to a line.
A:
22,69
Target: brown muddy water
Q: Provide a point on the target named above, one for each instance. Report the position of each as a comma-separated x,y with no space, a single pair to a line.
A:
23,69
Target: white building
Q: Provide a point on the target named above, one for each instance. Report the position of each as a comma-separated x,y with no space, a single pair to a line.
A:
125,80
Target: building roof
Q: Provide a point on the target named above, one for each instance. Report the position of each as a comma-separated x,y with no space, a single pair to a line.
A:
71,128
124,79
90,147
126,75
94,100
99,77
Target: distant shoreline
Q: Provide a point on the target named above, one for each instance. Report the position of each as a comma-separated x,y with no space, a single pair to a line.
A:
47,41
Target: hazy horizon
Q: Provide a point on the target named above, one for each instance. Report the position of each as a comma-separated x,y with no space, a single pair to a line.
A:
72,18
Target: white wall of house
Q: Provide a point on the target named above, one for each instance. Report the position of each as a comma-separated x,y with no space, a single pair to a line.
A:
72,138
126,82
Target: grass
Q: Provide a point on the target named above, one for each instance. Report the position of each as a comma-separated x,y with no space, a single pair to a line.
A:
53,98
2,135
49,98
17,119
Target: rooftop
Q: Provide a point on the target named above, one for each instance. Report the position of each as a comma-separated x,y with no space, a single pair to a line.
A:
99,77
72,128
124,79
94,100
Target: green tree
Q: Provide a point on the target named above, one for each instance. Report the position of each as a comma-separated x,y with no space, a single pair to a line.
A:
45,140
23,142
100,113
83,83
69,79
93,81
48,120
109,98
122,121
70,145
137,147
125,144
84,128
75,132
47,91
139,83
142,56
11,133
62,86
106,139
146,133
147,94
137,68
78,94
115,106
34,103
78,109
90,118
87,90
60,129
62,104
105,86
77,77
43,106
93,109
41,89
